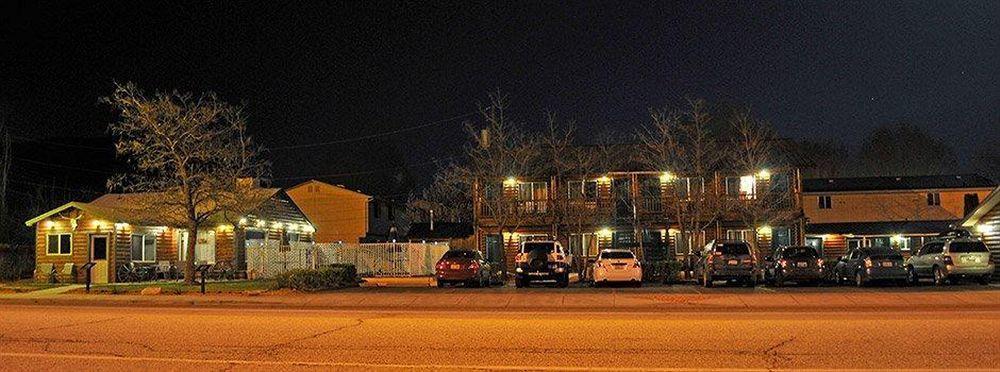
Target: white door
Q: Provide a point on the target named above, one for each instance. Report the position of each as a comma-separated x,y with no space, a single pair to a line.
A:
99,256
204,250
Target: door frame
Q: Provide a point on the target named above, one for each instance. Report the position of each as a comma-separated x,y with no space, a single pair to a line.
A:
107,256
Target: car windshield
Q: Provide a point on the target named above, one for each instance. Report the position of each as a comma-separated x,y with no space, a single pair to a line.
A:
544,248
732,248
967,247
616,255
800,252
452,255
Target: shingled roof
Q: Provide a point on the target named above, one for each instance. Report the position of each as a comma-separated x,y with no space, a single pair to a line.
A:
957,181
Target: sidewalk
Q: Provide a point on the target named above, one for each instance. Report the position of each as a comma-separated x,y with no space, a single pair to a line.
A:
546,299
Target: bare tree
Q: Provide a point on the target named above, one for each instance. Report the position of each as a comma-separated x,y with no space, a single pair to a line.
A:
754,153
448,198
189,155
683,146
501,155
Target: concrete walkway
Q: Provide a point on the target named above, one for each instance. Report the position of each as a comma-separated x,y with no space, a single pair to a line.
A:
43,293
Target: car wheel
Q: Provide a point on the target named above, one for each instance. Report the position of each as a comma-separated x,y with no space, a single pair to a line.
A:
706,280
472,283
911,275
520,283
779,281
859,280
564,281
939,277
984,280
440,283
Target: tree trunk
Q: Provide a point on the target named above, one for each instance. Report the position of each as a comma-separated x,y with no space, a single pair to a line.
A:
189,262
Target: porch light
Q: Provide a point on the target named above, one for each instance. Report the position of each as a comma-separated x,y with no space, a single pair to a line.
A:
121,225
49,224
897,237
764,230
666,177
261,223
604,179
764,174
98,224
243,221
510,181
276,225
984,228
604,232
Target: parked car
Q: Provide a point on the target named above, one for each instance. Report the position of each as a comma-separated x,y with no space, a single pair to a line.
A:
865,265
617,266
951,260
462,266
542,261
800,264
726,260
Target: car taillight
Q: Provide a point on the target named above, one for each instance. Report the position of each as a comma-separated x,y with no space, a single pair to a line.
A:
783,262
947,260
868,262
519,257
748,260
710,259
637,265
474,266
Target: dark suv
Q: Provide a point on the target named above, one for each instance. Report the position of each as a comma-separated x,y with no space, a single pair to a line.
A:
726,260
802,265
542,261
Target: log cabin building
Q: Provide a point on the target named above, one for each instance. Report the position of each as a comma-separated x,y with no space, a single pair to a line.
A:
984,221
637,210
108,232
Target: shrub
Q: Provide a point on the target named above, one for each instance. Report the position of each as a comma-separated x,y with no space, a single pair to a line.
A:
329,277
661,270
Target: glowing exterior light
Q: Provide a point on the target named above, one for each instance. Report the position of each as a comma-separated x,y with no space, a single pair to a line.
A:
897,237
604,179
604,232
49,224
261,223
984,229
764,174
666,177
276,225
510,181
764,230
243,221
121,225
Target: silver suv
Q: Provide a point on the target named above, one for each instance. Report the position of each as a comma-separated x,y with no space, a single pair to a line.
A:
951,260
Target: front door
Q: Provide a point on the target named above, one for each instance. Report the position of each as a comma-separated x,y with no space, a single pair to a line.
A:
99,256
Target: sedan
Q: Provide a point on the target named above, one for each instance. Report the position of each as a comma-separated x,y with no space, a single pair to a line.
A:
617,266
869,264
462,266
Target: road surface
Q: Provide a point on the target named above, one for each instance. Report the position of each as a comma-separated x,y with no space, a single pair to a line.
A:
135,338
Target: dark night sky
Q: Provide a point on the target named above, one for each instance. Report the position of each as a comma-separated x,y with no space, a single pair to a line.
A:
338,71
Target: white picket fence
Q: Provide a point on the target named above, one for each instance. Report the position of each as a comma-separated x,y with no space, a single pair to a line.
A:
266,259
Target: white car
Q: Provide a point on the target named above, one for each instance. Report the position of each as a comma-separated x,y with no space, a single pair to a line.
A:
617,266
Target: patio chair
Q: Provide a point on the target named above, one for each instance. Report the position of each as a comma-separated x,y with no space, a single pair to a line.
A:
45,270
67,272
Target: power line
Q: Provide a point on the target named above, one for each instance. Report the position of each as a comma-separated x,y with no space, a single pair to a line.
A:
63,166
64,144
370,136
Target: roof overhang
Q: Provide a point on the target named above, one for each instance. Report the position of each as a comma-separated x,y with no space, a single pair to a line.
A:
985,207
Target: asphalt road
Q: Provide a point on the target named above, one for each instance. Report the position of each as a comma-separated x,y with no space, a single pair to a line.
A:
130,338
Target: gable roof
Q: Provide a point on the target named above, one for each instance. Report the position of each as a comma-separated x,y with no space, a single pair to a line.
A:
128,207
991,201
321,183
956,181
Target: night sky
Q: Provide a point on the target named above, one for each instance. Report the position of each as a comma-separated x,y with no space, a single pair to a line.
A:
334,72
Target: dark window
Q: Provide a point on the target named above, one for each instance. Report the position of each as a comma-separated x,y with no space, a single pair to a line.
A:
144,248
376,210
255,235
99,244
800,252
544,248
967,247
616,255
971,202
582,189
825,202
730,249
60,244
933,198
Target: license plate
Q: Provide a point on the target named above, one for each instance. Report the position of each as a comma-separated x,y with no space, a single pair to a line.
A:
734,262
456,267
802,264
537,274
887,264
